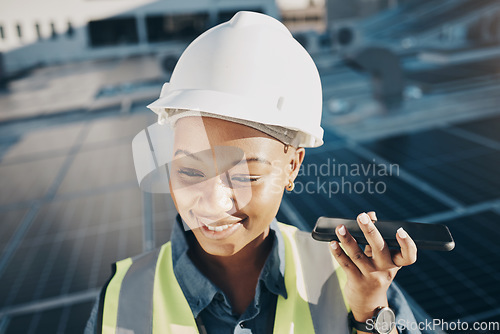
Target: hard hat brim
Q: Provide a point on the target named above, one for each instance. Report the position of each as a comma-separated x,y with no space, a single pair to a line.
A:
234,106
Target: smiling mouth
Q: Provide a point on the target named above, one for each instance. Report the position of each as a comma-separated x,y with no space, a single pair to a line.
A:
220,229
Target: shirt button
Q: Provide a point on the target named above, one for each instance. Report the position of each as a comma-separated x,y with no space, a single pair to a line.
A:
242,325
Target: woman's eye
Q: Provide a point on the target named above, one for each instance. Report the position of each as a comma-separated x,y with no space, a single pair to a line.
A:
190,172
245,178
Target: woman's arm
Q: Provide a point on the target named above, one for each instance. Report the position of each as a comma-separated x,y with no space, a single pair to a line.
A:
370,273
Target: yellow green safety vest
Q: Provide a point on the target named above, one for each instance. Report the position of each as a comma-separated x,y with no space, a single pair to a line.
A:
144,297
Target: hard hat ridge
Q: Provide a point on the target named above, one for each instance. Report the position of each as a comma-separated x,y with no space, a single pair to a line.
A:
248,19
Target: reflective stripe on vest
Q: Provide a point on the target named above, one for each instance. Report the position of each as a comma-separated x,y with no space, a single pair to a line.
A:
144,296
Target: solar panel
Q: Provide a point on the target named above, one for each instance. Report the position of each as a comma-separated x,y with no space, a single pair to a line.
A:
67,319
351,194
487,127
463,169
464,282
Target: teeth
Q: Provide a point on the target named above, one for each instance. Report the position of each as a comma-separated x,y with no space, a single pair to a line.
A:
218,228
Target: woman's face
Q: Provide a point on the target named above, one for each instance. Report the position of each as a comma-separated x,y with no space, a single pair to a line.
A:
227,181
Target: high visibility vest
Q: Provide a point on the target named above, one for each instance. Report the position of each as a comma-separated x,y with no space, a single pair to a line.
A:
143,296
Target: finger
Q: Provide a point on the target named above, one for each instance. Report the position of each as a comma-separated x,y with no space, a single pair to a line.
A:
408,253
368,251
372,216
380,250
345,261
353,250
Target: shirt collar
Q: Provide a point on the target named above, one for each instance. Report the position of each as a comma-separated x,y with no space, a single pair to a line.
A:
199,290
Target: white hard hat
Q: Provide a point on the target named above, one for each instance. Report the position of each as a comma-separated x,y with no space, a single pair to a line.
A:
249,68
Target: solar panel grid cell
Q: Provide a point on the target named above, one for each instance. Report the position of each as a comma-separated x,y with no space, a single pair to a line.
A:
20,324
484,127
10,220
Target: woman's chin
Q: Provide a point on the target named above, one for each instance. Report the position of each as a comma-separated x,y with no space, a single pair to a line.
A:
218,248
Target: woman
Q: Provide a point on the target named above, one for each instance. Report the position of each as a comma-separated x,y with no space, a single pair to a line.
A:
242,104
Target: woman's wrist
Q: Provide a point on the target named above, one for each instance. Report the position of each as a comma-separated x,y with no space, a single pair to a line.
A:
365,309
363,316
366,312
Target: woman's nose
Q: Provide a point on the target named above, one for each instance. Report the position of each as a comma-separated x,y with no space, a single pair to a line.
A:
218,195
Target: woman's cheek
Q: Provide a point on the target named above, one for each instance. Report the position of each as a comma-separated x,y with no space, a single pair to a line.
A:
184,201
276,188
266,198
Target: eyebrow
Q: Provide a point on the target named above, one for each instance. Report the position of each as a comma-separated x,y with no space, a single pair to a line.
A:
187,154
254,159
248,160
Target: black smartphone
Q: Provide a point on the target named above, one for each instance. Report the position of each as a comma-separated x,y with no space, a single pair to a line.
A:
426,236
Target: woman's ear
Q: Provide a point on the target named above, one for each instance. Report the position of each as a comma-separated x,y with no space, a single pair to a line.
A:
295,162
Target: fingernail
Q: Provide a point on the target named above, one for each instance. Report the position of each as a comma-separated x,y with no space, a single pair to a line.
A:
402,233
342,230
365,219
334,244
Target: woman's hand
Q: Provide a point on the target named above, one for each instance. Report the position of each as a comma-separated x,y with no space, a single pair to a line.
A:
370,273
